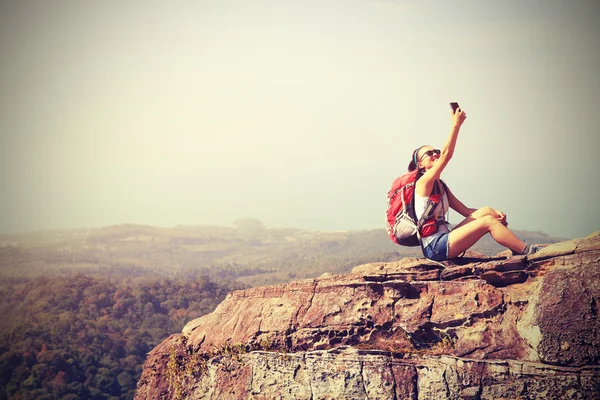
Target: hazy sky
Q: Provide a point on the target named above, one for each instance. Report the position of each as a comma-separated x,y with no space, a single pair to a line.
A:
297,113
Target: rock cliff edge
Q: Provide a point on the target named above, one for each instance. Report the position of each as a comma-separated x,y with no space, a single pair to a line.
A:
476,328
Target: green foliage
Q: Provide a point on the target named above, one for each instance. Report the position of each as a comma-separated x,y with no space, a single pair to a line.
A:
184,364
85,337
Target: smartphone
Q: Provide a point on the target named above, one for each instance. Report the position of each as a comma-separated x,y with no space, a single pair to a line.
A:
454,106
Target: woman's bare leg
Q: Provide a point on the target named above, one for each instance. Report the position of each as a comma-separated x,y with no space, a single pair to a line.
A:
482,212
467,233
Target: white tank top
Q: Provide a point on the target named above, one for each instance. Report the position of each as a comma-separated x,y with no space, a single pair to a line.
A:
440,213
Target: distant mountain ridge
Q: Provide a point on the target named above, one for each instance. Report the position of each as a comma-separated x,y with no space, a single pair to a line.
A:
249,251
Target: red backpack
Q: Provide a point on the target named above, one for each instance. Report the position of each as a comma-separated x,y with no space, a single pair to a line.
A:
402,223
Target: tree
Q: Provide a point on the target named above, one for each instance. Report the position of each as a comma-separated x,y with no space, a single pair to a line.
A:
249,226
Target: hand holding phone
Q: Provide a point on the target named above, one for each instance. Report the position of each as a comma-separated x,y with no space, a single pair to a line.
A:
457,118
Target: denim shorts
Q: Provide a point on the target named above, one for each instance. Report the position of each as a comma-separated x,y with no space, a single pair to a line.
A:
437,250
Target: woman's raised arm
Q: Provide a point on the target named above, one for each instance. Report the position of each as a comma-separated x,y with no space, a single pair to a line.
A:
425,183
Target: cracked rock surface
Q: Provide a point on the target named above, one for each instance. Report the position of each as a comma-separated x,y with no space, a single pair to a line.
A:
476,328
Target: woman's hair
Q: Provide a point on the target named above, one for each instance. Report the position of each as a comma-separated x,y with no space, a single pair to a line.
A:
413,162
411,166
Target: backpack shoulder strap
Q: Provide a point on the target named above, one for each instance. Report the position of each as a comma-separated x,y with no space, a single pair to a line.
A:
430,206
437,188
444,185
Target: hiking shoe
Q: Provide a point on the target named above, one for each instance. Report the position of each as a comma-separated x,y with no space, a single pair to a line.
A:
528,250
532,249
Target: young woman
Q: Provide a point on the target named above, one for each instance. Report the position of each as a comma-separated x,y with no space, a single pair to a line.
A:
447,242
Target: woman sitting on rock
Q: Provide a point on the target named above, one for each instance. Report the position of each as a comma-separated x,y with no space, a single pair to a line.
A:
439,240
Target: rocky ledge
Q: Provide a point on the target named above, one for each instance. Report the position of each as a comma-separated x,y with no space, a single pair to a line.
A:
479,327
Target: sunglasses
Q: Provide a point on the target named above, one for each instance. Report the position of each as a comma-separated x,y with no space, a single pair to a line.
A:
429,153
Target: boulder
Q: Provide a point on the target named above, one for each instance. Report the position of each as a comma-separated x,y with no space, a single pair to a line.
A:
472,328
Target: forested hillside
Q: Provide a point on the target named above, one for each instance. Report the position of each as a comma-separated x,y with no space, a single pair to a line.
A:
81,337
80,309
